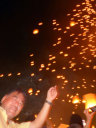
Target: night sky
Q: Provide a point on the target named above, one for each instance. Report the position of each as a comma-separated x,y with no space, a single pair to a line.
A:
18,19
17,42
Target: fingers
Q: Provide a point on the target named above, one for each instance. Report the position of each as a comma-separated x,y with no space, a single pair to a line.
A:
88,114
86,111
52,92
93,113
54,88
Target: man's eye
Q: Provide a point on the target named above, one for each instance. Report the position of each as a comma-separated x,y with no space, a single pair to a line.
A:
15,97
21,103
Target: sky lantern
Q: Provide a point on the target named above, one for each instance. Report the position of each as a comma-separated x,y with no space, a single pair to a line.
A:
30,91
1,75
35,31
42,65
18,74
63,126
31,55
93,126
10,74
83,101
37,92
72,23
90,100
75,100
40,23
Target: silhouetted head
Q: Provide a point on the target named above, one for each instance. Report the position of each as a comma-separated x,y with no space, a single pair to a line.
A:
75,121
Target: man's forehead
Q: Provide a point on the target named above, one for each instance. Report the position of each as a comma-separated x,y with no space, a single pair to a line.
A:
16,93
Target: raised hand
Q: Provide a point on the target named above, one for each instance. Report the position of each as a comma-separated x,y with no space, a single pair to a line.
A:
52,94
89,117
88,114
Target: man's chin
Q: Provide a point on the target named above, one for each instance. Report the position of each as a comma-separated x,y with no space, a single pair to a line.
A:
11,116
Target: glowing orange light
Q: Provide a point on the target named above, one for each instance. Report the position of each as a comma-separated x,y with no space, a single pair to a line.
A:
35,115
18,74
65,55
49,64
94,67
83,101
35,31
42,65
31,55
53,70
72,23
1,75
39,79
90,100
30,90
47,68
93,126
58,77
75,100
61,52
32,63
40,23
73,112
17,118
32,74
38,91
40,69
65,81
63,126
10,74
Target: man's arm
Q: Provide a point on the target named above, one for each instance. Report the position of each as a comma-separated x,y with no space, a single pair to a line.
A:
43,114
89,117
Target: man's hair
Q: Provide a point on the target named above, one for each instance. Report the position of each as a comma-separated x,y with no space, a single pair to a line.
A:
19,90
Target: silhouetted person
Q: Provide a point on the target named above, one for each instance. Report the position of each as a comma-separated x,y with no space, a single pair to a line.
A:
75,121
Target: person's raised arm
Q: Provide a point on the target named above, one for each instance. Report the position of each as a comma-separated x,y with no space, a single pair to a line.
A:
89,117
43,114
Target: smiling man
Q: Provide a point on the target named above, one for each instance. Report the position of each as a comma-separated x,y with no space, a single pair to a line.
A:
13,103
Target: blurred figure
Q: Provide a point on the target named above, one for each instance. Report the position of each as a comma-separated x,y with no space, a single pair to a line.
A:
75,121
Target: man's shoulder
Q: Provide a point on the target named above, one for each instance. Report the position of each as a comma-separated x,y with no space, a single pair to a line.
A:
3,114
2,111
19,125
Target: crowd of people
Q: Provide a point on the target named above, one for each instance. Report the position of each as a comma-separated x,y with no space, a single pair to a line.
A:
12,104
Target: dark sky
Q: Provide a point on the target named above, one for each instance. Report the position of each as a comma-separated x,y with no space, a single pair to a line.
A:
18,19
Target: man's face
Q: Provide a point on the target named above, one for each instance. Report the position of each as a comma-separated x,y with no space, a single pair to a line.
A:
13,103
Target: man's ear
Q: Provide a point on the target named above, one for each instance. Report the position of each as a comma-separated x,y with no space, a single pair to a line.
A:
3,99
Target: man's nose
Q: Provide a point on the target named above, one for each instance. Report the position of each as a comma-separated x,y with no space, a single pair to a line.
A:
17,103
